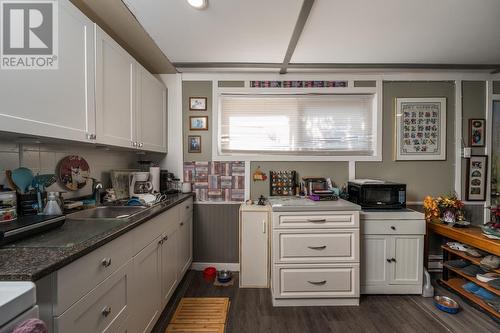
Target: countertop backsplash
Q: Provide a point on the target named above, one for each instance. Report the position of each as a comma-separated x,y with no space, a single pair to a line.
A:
43,159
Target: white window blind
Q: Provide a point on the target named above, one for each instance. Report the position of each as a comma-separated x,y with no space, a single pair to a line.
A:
297,125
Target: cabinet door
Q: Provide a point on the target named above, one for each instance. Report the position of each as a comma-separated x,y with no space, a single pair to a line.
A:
254,247
185,245
151,112
407,259
169,266
115,93
147,287
374,264
56,103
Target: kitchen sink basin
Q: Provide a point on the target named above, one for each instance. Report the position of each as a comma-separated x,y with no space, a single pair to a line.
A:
106,212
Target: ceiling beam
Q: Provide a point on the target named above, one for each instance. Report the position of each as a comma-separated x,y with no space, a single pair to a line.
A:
341,66
297,31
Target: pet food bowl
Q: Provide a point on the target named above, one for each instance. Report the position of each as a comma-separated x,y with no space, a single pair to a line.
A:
224,276
446,304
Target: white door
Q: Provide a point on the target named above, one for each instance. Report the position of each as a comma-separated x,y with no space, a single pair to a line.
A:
152,112
254,249
168,266
375,259
55,103
147,287
407,259
115,93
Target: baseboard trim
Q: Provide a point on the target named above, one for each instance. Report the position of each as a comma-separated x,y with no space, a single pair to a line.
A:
230,266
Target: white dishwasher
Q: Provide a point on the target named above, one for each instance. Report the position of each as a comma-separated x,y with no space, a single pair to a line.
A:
17,304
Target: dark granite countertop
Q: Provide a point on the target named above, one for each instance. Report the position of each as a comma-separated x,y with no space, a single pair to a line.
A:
40,255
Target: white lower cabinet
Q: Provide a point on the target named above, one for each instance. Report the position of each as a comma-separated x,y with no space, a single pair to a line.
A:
391,259
104,309
146,292
254,246
315,258
124,285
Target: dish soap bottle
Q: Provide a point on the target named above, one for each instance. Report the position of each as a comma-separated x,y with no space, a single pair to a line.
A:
52,207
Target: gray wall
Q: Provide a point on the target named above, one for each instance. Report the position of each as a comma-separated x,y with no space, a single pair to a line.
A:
422,177
215,233
197,89
496,87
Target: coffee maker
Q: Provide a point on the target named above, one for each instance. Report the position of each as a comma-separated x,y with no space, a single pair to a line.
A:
139,184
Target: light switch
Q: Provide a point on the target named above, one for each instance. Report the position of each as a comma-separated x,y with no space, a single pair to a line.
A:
467,152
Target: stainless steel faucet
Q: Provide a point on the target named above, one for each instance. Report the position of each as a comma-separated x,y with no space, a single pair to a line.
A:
96,190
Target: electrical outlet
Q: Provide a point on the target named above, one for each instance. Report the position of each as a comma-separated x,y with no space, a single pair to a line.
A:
467,152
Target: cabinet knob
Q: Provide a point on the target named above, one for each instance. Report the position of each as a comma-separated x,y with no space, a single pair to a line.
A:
134,144
106,311
141,144
388,260
160,242
393,227
106,262
165,238
393,259
182,223
317,283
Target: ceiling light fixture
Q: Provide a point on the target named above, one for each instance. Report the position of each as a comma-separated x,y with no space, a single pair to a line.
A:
198,4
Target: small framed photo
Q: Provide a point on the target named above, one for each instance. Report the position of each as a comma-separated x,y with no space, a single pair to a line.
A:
194,144
198,103
477,132
198,123
477,167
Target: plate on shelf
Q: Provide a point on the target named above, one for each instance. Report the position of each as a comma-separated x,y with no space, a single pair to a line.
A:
461,224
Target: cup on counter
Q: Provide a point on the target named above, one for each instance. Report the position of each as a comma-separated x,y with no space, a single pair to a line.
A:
186,187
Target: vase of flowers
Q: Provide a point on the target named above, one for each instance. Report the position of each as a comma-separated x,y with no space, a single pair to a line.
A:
447,209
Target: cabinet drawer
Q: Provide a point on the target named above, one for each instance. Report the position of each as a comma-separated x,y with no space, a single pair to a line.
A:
393,227
316,246
81,276
311,281
319,220
102,310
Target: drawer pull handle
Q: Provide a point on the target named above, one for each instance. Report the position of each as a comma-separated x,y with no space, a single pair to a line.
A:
393,227
317,283
160,242
165,238
182,223
393,259
106,262
317,247
106,311
388,260
316,220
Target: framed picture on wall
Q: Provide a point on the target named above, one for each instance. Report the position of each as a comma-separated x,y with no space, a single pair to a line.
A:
477,168
198,103
420,130
194,144
198,123
477,132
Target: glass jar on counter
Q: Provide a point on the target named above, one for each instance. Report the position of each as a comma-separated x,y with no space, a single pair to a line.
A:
8,206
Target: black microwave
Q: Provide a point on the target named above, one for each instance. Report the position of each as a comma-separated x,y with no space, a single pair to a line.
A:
376,194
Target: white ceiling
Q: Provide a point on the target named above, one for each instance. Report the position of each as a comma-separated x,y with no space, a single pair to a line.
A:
337,31
227,31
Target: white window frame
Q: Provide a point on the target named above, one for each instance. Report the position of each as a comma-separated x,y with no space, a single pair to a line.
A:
216,109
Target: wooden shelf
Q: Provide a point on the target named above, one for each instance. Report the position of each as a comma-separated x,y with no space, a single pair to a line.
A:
456,285
472,236
464,255
473,279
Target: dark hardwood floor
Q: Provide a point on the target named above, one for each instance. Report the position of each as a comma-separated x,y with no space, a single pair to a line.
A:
251,310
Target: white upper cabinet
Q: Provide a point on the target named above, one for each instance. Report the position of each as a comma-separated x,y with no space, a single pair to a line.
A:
115,93
56,103
151,112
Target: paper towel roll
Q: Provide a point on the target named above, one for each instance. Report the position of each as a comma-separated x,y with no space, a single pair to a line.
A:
155,178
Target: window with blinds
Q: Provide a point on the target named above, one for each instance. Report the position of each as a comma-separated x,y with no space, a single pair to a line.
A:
314,125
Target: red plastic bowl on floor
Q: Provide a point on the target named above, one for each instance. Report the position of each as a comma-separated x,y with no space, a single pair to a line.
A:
209,272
